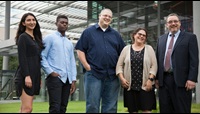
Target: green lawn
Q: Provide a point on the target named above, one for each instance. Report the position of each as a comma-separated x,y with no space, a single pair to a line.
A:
73,107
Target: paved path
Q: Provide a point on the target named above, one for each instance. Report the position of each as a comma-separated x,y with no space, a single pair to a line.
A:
8,101
12,101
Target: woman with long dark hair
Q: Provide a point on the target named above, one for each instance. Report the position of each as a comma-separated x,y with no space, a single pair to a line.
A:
28,76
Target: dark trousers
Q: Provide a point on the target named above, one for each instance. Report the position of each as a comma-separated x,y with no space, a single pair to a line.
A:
174,99
58,94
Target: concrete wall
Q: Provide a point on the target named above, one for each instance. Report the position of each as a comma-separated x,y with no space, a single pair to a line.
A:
196,24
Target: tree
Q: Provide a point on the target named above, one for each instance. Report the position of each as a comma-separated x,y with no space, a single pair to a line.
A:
13,62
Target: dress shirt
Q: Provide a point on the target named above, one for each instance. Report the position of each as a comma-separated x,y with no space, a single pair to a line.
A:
168,41
58,56
102,49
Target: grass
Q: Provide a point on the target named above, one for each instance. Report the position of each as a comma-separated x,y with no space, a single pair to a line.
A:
73,107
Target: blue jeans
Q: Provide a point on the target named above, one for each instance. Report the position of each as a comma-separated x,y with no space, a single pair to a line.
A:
104,92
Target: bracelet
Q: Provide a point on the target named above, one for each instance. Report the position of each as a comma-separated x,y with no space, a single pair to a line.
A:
151,79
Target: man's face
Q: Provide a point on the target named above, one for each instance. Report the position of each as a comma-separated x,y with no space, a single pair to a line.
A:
62,25
105,18
173,24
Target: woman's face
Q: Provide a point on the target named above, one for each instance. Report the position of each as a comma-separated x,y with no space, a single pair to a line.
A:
30,22
140,37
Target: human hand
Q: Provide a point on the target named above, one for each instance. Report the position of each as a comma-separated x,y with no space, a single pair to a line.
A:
148,85
73,87
190,85
55,74
87,67
124,83
28,81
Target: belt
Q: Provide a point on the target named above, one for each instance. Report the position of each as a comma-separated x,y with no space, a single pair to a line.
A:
168,73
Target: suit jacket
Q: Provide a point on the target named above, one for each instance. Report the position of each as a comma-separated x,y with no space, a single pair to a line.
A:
185,58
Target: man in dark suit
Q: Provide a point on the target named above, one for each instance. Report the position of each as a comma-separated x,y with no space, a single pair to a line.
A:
175,84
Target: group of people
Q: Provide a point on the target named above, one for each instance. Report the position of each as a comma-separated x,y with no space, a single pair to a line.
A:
108,64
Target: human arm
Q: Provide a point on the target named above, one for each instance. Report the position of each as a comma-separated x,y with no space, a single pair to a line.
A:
23,60
194,63
22,55
149,83
44,55
82,58
73,87
73,70
124,82
153,68
153,63
123,64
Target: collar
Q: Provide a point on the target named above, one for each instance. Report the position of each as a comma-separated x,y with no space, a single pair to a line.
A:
176,34
59,34
98,27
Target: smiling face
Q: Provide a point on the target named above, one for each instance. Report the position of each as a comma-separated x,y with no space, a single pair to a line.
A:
29,23
105,18
140,37
173,23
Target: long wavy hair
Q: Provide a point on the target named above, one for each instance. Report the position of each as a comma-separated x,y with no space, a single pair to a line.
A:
36,31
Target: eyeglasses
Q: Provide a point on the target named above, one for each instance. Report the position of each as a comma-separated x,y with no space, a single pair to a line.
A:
140,34
173,21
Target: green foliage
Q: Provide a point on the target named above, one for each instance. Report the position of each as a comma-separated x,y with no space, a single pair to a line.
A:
12,64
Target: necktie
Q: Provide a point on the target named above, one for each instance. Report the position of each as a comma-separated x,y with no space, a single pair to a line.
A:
168,55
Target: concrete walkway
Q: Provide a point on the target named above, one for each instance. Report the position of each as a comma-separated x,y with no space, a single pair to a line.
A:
8,101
